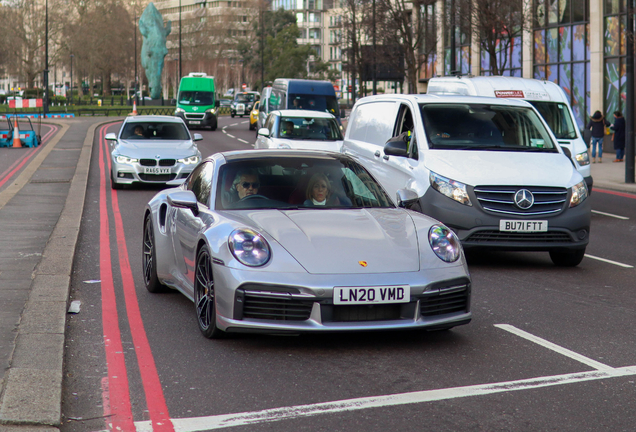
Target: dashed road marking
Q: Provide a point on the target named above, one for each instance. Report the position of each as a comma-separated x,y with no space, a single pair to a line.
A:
231,136
610,215
609,261
243,141
602,371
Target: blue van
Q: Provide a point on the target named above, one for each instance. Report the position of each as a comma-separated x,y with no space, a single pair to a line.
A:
304,94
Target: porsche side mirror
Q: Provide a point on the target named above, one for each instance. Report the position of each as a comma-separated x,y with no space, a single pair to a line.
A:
406,197
184,199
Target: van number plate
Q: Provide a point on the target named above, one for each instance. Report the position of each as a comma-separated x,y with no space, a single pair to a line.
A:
523,225
371,295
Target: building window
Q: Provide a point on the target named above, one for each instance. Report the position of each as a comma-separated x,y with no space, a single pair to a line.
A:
562,50
428,48
614,48
462,40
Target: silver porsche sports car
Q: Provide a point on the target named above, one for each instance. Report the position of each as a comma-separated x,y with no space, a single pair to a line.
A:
301,241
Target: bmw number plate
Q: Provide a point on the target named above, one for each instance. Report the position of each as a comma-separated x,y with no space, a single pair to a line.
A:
371,295
523,225
155,170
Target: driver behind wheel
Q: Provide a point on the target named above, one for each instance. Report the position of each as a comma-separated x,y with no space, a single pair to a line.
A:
246,183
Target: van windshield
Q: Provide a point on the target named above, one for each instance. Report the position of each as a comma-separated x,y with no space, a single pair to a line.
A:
485,127
557,116
196,98
312,102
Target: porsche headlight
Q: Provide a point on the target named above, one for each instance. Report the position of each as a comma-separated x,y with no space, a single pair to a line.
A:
189,160
126,160
444,243
179,110
249,247
583,158
579,194
451,188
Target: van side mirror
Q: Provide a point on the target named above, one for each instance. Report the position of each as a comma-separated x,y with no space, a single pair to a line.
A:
263,132
110,137
396,147
217,103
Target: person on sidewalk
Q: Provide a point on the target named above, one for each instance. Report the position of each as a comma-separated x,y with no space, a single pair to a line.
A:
597,124
619,136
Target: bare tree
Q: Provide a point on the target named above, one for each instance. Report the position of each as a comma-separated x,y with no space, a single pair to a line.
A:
499,24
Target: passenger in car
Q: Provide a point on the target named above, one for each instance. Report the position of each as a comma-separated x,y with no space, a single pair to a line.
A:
320,192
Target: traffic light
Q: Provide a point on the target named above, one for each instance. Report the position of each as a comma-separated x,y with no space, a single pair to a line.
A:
349,88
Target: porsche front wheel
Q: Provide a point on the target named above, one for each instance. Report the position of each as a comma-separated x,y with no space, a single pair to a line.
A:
204,295
149,259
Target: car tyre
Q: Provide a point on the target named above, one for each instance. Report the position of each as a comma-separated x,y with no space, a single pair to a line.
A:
567,257
113,184
204,298
232,114
149,259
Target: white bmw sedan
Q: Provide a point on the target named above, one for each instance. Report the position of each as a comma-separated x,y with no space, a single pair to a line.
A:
153,150
300,129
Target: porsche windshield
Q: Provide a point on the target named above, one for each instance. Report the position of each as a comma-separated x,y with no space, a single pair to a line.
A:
460,126
297,182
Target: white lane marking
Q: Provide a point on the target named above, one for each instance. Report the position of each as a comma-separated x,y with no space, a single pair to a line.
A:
197,424
243,141
234,124
231,136
610,215
609,261
554,347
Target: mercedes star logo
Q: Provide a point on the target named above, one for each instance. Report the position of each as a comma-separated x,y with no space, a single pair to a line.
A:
524,199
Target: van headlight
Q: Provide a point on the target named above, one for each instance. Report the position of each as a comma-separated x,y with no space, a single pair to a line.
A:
583,158
211,110
579,194
249,247
179,110
444,243
125,160
451,188
189,160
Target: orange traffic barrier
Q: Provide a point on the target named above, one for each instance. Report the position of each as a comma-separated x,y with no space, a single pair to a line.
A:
134,111
16,135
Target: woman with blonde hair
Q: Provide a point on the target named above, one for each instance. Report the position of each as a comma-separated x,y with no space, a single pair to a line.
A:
319,191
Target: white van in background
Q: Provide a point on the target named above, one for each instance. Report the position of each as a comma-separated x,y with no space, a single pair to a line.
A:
547,97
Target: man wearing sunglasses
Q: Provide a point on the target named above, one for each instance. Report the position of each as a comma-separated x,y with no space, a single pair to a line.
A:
246,183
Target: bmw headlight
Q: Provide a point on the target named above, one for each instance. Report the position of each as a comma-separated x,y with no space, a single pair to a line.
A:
451,188
579,194
179,110
444,243
583,158
249,247
189,160
126,160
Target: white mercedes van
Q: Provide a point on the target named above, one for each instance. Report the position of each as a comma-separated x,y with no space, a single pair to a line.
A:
547,97
488,168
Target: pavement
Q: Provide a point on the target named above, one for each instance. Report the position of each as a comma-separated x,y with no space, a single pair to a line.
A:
40,216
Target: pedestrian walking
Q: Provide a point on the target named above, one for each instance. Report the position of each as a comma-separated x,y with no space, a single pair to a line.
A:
619,136
597,124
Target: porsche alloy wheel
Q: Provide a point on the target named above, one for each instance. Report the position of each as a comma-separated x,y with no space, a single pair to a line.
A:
149,260
204,296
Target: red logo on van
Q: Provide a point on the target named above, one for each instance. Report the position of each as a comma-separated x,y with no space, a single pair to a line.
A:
509,94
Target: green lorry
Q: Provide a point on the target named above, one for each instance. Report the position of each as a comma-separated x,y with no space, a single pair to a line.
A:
196,102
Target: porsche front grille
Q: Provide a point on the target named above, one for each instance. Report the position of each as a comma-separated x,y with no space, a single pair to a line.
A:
267,306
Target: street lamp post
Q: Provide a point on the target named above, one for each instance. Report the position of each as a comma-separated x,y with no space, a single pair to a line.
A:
180,70
135,85
45,104
72,55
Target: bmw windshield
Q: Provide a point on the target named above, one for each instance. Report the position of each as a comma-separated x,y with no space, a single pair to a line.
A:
463,126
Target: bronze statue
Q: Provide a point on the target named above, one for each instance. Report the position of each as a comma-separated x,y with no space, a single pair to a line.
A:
153,49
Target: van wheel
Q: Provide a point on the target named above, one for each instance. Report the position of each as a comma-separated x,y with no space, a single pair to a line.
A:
567,257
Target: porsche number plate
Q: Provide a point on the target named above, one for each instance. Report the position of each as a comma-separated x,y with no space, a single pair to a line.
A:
194,121
523,225
371,295
155,170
